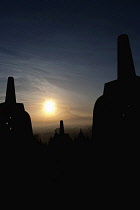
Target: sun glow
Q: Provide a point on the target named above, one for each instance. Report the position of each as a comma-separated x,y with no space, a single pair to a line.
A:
49,107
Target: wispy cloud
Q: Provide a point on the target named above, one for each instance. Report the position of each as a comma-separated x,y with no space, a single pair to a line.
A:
37,80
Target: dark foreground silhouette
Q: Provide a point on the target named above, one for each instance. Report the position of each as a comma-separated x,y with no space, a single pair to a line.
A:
15,122
107,161
117,112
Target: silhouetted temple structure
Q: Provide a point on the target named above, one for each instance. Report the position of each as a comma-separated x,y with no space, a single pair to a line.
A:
61,137
81,139
15,122
116,113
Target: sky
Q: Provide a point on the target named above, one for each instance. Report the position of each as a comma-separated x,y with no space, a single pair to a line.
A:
64,50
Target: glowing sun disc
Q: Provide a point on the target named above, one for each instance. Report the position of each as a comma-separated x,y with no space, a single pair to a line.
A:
49,107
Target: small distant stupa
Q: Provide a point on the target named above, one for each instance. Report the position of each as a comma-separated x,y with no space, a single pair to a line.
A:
61,137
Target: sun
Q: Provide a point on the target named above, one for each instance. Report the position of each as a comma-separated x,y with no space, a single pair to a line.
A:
49,107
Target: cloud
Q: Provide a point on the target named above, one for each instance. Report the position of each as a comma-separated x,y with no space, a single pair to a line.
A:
38,78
